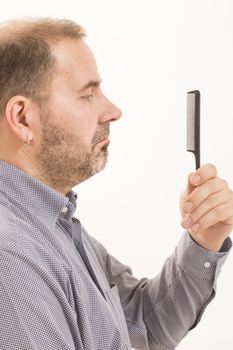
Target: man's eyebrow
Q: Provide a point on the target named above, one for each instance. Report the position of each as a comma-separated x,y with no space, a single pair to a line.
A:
91,83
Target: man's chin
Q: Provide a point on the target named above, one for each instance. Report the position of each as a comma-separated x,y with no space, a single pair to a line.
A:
97,167
102,162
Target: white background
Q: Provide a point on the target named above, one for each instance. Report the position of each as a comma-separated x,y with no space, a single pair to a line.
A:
150,53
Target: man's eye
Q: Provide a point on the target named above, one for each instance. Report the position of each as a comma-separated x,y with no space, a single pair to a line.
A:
87,97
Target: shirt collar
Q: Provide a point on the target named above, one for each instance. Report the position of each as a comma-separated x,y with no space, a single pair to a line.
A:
41,200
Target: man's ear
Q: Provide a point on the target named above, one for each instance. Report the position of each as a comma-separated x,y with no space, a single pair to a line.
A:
19,117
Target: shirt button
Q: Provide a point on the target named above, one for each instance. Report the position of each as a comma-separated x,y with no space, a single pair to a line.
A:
206,264
64,210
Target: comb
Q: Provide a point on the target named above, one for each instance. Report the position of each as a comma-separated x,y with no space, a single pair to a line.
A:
193,125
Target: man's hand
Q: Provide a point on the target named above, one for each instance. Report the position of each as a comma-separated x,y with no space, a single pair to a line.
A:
212,208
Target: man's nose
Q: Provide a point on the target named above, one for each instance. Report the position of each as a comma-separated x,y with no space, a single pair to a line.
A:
111,113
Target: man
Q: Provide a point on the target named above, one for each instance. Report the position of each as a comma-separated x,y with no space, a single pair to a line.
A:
60,289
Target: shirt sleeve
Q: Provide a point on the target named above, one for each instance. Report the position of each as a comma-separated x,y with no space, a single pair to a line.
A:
160,311
32,306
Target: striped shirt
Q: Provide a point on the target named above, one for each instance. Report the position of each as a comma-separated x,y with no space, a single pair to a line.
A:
61,290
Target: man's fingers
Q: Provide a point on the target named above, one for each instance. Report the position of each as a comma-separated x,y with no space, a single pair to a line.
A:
210,203
218,214
190,186
188,189
202,192
201,175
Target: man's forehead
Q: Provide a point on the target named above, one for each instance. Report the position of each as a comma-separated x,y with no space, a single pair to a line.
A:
74,56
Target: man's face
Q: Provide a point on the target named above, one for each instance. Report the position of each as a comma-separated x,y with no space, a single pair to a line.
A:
75,125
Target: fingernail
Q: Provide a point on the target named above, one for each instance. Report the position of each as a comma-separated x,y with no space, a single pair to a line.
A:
196,179
188,206
186,222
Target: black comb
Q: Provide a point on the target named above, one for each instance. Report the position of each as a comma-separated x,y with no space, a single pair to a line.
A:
193,125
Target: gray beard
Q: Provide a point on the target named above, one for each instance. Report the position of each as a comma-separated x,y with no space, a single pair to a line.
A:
63,160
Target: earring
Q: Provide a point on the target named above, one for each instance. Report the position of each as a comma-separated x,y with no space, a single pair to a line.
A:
26,142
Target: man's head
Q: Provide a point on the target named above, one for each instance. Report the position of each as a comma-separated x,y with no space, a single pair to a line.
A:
51,95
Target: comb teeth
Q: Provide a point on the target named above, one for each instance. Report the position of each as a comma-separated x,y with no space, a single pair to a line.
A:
190,129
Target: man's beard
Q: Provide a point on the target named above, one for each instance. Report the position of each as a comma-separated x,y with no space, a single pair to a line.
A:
64,160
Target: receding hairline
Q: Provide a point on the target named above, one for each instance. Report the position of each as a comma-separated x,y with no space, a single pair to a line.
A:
51,29
27,61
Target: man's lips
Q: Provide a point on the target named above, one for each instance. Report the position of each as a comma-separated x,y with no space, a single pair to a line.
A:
104,139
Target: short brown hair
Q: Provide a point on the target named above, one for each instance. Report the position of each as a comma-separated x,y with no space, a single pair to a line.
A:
27,64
